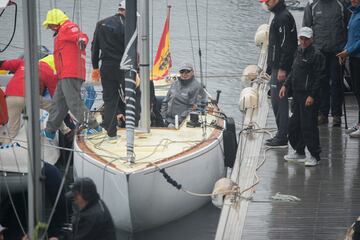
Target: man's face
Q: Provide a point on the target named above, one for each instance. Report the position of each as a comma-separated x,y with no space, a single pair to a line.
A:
79,200
186,74
53,27
271,4
122,11
305,42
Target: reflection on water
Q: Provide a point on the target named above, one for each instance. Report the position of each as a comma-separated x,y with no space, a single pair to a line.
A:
227,48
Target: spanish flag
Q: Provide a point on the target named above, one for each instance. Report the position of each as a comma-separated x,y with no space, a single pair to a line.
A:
162,62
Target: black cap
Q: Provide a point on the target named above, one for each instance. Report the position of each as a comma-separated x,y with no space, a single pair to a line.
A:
86,188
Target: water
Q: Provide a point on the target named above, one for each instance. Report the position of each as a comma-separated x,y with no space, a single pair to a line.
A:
227,49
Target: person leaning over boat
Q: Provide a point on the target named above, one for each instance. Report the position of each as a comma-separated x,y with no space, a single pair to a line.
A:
282,46
328,20
92,219
108,45
15,91
304,80
183,95
69,57
352,49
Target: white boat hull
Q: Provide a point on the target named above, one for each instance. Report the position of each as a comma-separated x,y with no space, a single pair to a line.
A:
143,199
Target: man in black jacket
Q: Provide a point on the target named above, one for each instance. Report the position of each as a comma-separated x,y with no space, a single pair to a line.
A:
282,45
328,19
92,220
108,45
304,80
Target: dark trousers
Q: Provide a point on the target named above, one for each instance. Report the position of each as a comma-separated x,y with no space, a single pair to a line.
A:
355,79
280,106
331,90
303,129
113,82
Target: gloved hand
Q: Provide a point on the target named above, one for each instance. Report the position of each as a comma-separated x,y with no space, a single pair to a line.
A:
95,75
82,44
268,70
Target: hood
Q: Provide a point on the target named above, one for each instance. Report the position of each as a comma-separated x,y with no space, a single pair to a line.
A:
50,61
55,16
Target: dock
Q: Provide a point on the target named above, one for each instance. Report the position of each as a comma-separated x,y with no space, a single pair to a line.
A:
329,194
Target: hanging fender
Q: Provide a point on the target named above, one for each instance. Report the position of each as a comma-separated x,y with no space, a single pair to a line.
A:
230,143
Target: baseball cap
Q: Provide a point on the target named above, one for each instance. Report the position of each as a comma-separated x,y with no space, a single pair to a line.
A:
306,32
263,1
186,66
122,5
85,187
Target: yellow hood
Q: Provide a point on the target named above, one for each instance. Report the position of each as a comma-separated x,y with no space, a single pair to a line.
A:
55,16
49,59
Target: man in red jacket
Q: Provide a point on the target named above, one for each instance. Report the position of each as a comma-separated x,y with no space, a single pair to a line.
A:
69,56
15,91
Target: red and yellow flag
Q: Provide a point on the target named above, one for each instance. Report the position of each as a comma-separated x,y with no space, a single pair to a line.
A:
162,62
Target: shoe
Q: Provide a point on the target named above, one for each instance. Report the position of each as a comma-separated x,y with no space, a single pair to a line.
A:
112,140
311,162
271,139
277,143
353,129
355,134
322,119
295,157
49,135
91,131
336,121
69,136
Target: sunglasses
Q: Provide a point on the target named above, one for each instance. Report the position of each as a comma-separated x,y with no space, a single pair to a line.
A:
185,71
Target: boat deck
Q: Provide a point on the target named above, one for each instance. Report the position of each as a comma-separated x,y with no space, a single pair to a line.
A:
329,193
166,143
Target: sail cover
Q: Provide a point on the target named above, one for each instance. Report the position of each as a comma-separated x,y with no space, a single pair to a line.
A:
129,64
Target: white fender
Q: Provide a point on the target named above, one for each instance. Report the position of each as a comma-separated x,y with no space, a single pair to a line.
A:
248,99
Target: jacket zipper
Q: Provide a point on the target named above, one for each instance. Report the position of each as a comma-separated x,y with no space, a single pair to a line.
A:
306,83
273,54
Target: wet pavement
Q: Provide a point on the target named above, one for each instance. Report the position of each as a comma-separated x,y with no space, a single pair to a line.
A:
329,192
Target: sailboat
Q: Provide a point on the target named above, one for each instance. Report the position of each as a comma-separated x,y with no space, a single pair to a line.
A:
14,155
152,176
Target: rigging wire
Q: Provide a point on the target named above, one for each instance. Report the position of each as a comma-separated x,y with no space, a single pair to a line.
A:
190,35
200,56
14,29
99,11
206,40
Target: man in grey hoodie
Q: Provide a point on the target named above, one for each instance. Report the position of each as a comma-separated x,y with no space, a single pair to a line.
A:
182,96
328,19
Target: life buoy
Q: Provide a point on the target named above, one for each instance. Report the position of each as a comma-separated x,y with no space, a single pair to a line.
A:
230,143
4,117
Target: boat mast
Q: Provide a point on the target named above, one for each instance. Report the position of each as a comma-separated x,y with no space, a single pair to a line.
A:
144,65
32,111
129,64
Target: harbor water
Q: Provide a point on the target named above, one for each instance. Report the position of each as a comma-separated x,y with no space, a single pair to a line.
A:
225,31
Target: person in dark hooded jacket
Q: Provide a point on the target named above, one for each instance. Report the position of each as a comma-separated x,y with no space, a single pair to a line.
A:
92,220
282,45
